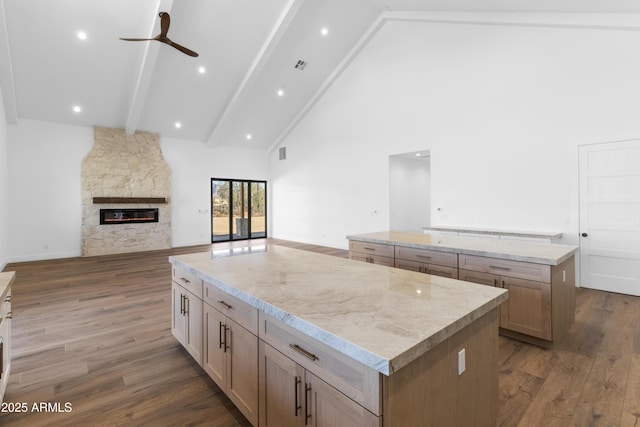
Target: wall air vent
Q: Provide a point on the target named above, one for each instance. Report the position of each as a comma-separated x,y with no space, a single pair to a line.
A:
300,65
282,153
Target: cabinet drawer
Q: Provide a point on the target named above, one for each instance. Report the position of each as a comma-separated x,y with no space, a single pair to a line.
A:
518,269
232,307
372,248
435,270
427,256
373,259
187,280
357,381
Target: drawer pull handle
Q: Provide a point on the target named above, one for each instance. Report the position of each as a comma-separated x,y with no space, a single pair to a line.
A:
496,267
10,315
295,393
181,303
369,249
185,280
423,256
304,352
225,305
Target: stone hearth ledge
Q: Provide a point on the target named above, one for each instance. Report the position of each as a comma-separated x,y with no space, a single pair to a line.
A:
383,317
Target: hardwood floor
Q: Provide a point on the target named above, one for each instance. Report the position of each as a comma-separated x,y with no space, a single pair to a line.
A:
94,333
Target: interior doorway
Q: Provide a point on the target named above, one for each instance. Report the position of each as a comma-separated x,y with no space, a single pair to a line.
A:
238,209
610,216
410,191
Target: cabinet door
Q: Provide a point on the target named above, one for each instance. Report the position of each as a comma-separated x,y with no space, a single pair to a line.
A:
281,389
528,309
324,406
178,320
214,360
242,370
193,329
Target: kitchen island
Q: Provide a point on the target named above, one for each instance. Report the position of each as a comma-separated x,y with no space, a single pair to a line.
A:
331,341
540,277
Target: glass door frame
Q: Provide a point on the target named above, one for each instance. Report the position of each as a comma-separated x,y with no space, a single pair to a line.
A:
231,236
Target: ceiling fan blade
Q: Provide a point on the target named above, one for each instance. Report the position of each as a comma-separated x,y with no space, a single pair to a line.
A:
180,48
135,40
165,21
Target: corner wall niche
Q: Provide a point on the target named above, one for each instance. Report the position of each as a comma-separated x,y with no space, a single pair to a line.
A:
125,172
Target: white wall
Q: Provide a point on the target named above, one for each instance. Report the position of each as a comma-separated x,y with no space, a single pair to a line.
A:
45,204
192,167
501,108
409,194
4,187
44,176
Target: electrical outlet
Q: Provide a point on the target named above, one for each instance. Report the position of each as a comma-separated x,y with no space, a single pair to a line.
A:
461,361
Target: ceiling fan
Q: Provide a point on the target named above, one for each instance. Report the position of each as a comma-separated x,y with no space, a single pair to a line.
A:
165,21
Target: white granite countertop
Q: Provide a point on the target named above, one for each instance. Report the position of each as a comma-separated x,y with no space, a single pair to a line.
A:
535,252
384,317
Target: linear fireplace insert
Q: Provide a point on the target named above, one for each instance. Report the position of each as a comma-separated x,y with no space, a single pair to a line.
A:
126,216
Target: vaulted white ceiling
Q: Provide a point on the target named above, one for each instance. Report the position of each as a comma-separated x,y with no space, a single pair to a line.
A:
248,48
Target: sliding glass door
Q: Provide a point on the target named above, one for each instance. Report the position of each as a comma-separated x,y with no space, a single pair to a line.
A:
238,209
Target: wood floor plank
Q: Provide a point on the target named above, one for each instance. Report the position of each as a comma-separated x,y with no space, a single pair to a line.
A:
95,332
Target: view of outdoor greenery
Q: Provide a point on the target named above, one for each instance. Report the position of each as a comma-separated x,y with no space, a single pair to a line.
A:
238,209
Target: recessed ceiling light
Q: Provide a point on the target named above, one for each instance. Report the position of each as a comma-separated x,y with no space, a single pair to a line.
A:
82,35
202,70
178,125
77,109
248,136
280,92
324,31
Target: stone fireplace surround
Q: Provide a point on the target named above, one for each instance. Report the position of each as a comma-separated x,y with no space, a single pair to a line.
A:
125,171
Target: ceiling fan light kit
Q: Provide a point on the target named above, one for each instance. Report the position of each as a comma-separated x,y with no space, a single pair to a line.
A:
165,22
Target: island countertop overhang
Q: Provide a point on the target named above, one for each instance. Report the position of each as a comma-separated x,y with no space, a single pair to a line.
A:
534,252
380,316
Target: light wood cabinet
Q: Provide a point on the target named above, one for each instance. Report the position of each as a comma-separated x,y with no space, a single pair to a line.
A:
427,261
230,350
372,253
280,376
541,300
5,330
541,304
186,320
528,309
290,395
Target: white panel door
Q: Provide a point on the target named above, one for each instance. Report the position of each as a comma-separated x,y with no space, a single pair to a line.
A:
610,216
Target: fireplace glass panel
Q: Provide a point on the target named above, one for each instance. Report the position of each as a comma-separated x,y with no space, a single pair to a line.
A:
127,216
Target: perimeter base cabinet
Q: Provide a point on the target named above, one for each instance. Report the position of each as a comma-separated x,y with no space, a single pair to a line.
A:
231,349
5,332
186,313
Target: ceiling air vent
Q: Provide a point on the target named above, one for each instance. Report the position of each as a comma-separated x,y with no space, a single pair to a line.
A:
282,153
300,65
